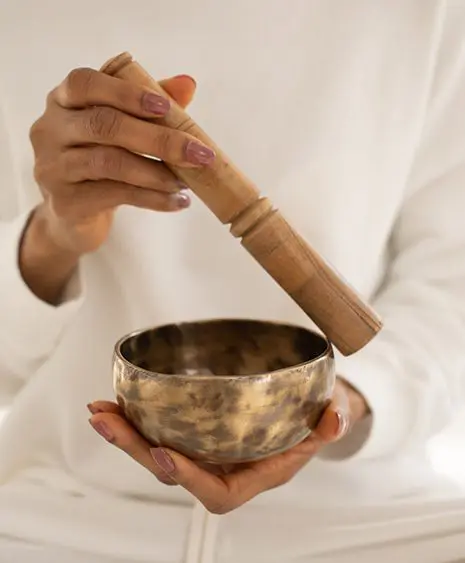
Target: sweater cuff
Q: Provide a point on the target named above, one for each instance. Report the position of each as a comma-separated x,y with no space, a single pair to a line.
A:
31,327
386,430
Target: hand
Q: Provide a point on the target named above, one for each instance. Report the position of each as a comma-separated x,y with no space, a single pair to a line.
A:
222,489
87,146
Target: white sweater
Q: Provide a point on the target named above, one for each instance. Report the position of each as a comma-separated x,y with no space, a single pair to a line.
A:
350,115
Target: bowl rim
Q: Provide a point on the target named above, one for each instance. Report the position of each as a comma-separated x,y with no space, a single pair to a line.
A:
327,353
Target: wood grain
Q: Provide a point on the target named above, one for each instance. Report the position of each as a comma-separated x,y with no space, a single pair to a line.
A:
318,290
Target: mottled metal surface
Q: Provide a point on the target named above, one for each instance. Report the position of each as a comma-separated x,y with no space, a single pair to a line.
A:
224,391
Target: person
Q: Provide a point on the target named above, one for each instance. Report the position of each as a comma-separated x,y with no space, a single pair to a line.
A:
351,117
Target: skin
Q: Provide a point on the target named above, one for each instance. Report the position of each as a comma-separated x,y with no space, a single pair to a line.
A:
87,164
224,489
86,167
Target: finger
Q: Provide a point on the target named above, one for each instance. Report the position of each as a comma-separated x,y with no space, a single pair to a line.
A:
85,87
117,431
108,126
90,198
209,488
254,478
222,493
181,88
113,163
335,422
105,407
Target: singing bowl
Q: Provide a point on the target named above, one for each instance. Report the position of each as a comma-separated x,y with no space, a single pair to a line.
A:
226,390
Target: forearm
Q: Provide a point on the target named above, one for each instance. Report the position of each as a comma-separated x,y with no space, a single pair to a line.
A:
45,267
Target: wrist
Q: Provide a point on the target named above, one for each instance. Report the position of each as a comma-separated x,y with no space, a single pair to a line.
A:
45,265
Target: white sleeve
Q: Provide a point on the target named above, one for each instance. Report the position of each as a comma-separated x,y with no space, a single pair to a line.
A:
413,373
29,328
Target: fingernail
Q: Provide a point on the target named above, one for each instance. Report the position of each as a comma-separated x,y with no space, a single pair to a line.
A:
343,424
182,199
197,153
102,429
92,409
153,103
186,76
163,460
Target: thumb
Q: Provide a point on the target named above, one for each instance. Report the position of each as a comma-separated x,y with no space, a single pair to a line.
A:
335,422
181,88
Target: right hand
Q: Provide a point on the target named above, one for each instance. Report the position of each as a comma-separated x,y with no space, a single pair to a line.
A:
87,145
220,489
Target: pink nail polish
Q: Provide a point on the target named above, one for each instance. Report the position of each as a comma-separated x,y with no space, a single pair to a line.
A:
163,460
343,424
153,103
102,429
183,200
92,409
196,153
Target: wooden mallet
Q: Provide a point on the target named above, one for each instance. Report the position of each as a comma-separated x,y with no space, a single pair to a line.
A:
333,306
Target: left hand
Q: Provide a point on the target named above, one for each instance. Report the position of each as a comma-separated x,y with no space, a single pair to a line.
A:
223,489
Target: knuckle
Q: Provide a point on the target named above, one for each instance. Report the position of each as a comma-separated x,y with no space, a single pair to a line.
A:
105,162
103,122
48,130
163,143
50,176
36,131
45,174
67,163
51,97
40,172
77,85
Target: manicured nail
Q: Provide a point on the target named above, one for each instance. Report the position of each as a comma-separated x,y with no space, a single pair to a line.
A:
182,200
343,424
196,153
153,103
163,460
92,409
102,429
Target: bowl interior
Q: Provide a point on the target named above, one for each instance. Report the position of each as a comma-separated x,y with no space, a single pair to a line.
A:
222,347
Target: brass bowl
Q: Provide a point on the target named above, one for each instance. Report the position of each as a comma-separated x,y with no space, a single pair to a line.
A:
224,391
